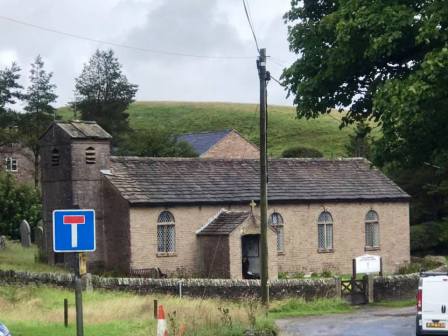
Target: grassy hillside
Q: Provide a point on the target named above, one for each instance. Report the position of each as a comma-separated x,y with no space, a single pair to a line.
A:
285,130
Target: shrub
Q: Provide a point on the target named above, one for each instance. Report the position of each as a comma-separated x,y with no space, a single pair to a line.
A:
301,152
17,202
430,238
417,266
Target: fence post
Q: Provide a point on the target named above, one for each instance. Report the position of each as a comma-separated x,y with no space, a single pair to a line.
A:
180,289
370,289
66,313
155,309
338,289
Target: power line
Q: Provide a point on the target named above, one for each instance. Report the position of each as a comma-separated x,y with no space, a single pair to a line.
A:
126,46
277,81
250,25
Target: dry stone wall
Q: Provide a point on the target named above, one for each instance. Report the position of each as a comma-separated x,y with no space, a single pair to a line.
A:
222,288
385,288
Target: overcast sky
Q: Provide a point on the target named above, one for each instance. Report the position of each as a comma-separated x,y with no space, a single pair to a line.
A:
200,27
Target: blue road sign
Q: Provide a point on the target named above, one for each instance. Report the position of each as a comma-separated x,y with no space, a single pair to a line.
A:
74,231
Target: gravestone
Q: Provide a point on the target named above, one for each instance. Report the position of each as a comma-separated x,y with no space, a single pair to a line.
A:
39,236
25,234
2,242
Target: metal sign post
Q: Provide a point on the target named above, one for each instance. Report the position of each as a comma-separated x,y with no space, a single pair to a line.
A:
74,231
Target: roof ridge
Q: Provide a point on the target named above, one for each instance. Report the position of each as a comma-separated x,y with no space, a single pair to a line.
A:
207,132
158,158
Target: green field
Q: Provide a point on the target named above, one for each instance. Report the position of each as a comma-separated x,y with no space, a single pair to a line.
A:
284,129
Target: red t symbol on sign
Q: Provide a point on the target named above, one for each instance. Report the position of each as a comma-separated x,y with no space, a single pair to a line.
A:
74,221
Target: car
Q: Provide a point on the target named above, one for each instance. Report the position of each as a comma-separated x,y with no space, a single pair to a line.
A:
4,331
432,302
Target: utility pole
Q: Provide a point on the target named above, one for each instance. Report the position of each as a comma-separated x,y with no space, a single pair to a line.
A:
78,297
264,77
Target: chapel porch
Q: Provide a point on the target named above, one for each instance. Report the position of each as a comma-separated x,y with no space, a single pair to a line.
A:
229,247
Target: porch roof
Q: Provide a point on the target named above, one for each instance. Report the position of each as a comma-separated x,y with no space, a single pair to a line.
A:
224,223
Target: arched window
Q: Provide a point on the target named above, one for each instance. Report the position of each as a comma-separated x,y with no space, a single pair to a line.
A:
325,231
90,155
372,229
166,233
276,220
55,157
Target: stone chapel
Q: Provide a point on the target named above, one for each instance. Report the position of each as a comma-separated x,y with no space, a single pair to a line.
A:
196,216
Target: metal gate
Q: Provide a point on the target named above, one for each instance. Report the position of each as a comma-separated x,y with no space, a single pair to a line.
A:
354,291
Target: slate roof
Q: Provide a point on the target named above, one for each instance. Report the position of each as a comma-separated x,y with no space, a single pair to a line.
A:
202,142
82,129
206,181
224,223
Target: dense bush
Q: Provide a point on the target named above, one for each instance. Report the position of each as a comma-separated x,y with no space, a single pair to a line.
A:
17,202
430,238
301,152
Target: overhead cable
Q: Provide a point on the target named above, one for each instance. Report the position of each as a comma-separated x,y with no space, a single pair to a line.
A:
126,46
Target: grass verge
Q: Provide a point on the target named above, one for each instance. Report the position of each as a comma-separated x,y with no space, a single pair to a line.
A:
38,311
300,307
395,303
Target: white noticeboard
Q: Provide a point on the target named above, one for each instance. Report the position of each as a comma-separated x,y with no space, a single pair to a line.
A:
368,264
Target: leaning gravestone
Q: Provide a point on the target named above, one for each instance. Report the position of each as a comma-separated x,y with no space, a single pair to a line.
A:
38,237
2,242
25,234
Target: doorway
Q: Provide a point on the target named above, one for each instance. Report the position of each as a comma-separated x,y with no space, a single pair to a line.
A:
250,262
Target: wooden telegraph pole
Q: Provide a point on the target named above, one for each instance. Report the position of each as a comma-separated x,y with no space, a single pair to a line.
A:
264,77
78,296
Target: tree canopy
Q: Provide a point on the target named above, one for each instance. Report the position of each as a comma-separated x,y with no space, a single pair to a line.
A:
18,202
103,93
39,97
385,61
10,93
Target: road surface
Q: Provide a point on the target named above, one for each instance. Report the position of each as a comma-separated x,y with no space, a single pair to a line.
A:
365,322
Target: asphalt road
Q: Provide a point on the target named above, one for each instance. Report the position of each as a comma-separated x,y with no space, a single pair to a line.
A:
365,322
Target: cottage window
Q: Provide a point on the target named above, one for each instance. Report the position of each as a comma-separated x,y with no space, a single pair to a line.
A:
11,164
276,220
325,231
166,233
90,155
55,157
372,230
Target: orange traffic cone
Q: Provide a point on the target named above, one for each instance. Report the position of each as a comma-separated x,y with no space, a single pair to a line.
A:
161,322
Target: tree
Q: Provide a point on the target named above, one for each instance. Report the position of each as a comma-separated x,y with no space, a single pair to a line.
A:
103,93
10,92
155,142
380,60
40,113
360,141
349,49
18,202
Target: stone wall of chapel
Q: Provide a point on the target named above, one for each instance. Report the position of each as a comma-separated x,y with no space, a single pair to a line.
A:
300,230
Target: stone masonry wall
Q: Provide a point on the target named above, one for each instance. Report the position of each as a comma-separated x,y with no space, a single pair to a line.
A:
395,287
233,146
385,288
300,231
25,162
219,288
